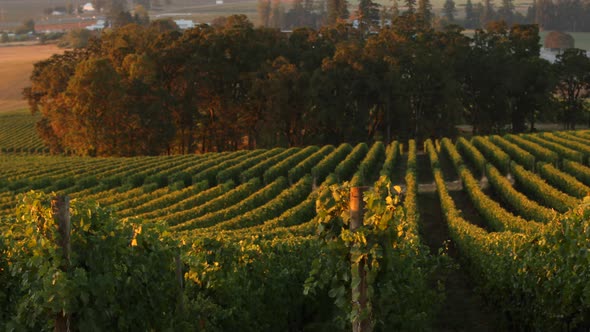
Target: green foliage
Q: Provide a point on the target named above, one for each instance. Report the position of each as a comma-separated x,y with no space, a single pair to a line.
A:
492,211
493,153
136,180
259,169
226,173
452,152
251,283
220,202
521,156
160,180
521,273
308,163
346,168
497,217
283,167
391,156
305,166
546,194
573,86
119,275
385,248
211,173
527,208
368,167
563,181
540,152
252,201
561,150
18,131
327,165
473,154
63,183
571,142
271,209
175,203
579,171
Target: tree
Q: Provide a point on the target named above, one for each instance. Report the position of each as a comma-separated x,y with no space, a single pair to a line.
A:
95,97
263,8
336,10
76,38
470,16
506,11
449,10
484,90
411,6
49,81
573,74
531,80
425,11
487,13
286,95
141,15
28,26
368,15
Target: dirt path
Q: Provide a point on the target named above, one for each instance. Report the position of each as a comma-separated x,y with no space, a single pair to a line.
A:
463,309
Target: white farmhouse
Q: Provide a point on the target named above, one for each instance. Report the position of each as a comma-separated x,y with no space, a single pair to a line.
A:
88,7
184,24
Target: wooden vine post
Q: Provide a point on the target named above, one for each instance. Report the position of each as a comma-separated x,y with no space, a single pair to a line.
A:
357,206
60,207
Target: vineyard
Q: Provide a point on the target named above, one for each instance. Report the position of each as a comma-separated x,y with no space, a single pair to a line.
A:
17,134
247,223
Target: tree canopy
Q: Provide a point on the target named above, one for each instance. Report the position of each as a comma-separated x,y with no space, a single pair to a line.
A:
146,90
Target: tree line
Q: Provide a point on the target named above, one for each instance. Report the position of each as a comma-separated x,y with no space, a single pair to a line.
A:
147,90
566,15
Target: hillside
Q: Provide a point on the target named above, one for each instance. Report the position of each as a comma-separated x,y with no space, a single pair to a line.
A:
270,195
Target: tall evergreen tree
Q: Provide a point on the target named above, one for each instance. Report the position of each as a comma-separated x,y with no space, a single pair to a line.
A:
487,15
449,10
425,11
368,14
470,16
411,6
506,11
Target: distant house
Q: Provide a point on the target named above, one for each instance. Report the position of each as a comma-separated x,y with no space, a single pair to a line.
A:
184,24
88,7
99,25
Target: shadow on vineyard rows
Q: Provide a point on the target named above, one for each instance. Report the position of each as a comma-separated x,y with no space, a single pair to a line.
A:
463,309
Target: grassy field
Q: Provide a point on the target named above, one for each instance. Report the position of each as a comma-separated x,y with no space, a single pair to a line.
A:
16,64
204,11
